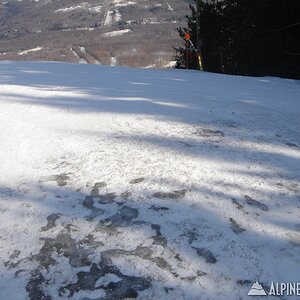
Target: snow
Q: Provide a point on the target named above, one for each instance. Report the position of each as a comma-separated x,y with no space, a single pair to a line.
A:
82,49
80,60
109,18
113,61
71,8
83,6
169,6
30,50
85,28
118,16
97,8
171,184
124,4
116,32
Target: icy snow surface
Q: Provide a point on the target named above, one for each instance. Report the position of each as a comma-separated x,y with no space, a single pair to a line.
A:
123,183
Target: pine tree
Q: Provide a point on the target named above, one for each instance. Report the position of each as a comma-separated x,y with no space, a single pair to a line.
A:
186,56
247,37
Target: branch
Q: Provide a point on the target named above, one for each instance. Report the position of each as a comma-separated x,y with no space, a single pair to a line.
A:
284,27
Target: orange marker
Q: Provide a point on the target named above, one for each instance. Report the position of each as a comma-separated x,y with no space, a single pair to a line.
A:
187,36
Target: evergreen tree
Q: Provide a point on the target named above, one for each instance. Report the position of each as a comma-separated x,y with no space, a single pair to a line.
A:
248,37
186,57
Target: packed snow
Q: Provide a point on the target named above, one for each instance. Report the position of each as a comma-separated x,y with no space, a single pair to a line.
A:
121,183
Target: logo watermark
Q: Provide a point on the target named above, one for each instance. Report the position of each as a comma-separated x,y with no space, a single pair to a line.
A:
257,290
276,289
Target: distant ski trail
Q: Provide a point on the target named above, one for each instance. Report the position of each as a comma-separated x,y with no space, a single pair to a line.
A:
169,6
80,60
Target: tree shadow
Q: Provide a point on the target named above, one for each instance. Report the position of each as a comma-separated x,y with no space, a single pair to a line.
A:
209,203
191,95
172,242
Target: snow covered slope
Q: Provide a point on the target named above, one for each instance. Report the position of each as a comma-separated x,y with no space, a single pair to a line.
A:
121,183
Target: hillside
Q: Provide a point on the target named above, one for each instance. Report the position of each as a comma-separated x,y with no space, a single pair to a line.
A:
127,33
120,183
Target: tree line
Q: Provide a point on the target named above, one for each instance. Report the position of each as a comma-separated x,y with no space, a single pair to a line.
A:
246,37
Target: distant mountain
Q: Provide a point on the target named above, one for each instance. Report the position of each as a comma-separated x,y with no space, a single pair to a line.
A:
118,32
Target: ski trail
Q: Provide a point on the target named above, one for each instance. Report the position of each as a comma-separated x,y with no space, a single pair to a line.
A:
80,60
108,18
169,6
113,61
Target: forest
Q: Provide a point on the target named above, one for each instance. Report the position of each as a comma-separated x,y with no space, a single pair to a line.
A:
245,37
